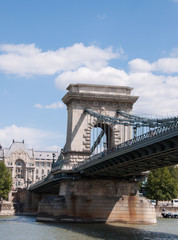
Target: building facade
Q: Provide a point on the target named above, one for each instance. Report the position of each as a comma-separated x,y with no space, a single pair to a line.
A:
27,165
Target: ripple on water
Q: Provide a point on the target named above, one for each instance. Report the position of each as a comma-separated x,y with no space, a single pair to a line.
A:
26,228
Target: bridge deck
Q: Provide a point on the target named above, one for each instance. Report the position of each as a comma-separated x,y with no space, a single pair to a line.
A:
153,152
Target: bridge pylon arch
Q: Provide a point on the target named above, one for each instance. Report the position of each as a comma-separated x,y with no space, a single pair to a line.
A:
102,99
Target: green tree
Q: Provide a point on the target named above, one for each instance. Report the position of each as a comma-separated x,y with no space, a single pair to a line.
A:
174,172
5,181
161,186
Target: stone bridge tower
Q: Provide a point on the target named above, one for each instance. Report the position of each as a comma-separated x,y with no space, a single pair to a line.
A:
79,198
102,99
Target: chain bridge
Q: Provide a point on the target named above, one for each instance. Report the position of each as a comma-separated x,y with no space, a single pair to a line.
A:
107,148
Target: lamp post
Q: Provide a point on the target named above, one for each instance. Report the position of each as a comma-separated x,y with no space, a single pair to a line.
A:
52,165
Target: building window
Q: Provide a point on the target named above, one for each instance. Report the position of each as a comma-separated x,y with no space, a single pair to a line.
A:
42,171
36,171
42,164
48,164
48,171
37,164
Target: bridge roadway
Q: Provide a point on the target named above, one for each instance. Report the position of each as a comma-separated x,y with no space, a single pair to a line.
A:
158,148
152,150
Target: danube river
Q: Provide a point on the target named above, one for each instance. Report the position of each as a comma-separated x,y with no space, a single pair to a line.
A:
26,228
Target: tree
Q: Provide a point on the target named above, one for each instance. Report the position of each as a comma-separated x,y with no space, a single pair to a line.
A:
5,181
161,186
174,172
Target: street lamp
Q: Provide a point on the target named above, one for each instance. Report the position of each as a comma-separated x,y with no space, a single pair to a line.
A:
54,156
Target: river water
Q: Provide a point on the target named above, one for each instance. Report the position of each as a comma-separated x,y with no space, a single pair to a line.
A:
26,228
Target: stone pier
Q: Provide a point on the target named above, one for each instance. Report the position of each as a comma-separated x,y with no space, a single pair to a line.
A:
97,201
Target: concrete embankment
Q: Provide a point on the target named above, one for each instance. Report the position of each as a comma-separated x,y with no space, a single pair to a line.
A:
6,208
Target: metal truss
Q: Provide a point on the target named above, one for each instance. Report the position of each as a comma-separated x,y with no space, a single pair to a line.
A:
133,120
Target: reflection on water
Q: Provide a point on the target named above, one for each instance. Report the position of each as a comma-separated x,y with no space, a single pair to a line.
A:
26,228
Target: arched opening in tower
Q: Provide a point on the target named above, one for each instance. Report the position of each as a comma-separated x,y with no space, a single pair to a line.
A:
100,138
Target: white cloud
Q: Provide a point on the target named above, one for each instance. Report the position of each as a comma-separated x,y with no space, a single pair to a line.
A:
38,105
29,60
163,65
50,106
140,65
34,138
174,52
20,49
166,65
101,16
108,76
158,94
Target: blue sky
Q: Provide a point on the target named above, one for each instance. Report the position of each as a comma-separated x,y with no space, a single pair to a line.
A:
46,45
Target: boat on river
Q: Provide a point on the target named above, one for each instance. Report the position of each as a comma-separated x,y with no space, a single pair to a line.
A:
169,215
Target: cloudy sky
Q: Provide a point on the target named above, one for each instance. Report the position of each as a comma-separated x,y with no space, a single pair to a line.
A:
46,45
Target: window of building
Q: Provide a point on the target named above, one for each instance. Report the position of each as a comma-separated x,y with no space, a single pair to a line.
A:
42,164
37,164
42,171
48,164
36,171
48,171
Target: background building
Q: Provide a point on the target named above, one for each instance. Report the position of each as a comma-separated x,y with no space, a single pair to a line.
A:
27,165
